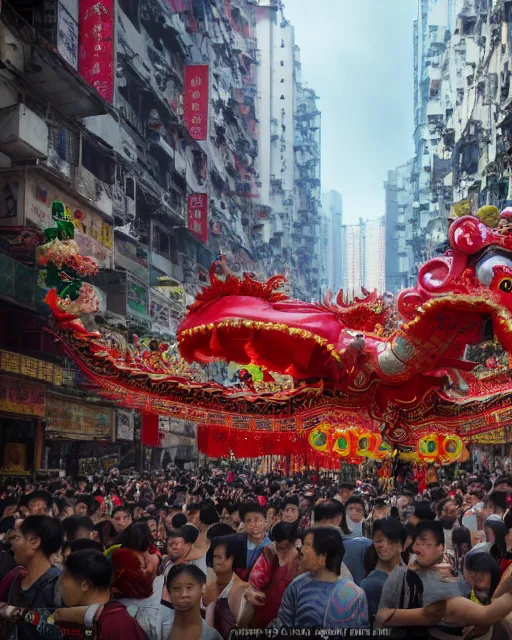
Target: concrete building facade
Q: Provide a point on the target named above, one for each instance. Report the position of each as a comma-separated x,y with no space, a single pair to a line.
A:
462,120
331,254
363,248
93,112
288,161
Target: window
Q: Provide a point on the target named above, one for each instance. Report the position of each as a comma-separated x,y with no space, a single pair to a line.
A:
98,164
130,188
161,244
131,8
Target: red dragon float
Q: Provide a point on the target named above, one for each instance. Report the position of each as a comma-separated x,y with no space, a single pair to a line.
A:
369,376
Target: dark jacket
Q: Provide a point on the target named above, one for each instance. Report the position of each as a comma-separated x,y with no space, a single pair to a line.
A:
40,595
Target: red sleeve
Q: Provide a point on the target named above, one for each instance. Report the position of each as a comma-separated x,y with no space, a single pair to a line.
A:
260,574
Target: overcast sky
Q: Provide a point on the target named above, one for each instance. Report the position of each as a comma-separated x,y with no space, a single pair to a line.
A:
358,56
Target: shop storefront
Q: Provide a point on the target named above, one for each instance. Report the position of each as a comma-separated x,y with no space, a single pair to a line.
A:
22,411
79,435
491,450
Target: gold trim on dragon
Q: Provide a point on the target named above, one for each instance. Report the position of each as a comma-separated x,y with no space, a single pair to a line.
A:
263,326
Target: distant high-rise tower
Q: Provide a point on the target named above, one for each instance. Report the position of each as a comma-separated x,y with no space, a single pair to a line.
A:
330,241
363,248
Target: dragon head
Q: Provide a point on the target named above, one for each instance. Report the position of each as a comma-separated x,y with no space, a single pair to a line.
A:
473,276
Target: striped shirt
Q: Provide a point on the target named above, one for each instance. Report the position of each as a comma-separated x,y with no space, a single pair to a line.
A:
309,603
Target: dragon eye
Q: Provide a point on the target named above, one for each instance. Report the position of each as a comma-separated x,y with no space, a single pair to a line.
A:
506,285
485,268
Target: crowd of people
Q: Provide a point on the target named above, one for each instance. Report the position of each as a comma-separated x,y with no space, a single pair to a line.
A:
172,555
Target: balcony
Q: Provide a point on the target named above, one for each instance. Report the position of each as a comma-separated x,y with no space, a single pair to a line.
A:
94,190
131,255
159,144
46,70
129,114
165,266
165,313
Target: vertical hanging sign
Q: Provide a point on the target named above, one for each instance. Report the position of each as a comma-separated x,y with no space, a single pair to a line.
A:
96,22
195,100
198,215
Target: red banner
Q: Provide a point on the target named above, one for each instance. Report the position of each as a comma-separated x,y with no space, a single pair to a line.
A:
198,216
195,101
96,22
149,434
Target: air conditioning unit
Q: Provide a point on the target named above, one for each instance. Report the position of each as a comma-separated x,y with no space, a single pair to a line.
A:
23,134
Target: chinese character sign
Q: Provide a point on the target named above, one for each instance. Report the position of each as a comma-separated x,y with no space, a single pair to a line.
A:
198,216
195,100
96,45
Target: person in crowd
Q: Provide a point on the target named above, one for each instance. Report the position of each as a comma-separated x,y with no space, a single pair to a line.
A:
479,609
381,559
82,505
251,543
277,566
223,597
86,582
289,511
105,533
39,503
34,541
427,580
272,517
447,512
497,504
404,500
9,512
152,524
355,515
422,510
319,598
76,527
503,484
85,585
208,517
177,521
185,584
461,539
121,518
380,510
234,510
192,512
180,550
345,491
332,512
137,537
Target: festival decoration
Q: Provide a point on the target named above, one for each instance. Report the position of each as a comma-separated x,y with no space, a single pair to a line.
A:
401,369
65,269
351,444
440,448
